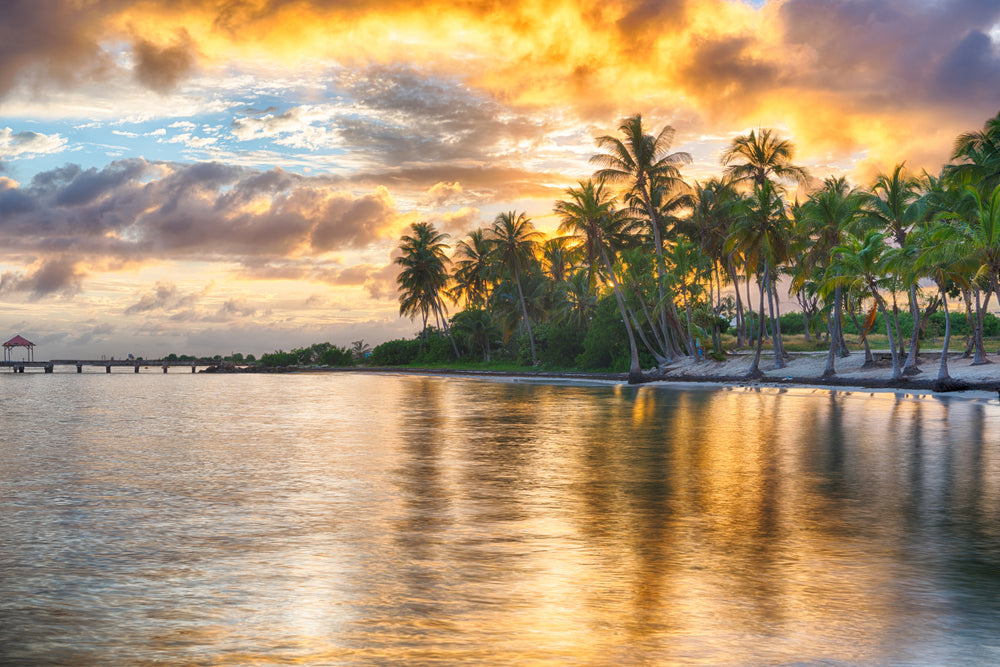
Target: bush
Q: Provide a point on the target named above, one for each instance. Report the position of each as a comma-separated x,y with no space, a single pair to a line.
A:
437,348
399,352
563,344
279,358
336,356
605,346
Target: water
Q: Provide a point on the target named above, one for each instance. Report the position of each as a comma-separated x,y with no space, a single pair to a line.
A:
359,519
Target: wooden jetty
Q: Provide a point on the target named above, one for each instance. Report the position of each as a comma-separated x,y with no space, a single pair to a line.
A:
49,366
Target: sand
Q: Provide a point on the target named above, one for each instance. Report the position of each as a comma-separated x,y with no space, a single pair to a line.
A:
807,369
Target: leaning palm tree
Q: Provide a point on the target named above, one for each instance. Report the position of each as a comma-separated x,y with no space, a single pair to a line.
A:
945,257
642,162
895,206
859,263
590,216
514,238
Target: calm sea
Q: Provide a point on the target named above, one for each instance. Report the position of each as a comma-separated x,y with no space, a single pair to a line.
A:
362,519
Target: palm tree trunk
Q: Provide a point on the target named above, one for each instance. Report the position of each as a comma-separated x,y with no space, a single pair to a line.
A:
970,340
687,315
912,358
895,320
980,357
661,361
749,308
897,371
779,361
447,329
524,313
869,359
842,350
661,267
658,336
635,371
675,318
805,317
777,321
755,371
833,327
943,369
423,333
740,316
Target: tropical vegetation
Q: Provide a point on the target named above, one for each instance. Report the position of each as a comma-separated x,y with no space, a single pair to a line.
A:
647,268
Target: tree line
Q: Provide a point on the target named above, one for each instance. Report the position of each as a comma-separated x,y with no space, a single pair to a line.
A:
664,264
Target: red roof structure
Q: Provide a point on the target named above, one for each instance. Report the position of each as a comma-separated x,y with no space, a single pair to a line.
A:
18,341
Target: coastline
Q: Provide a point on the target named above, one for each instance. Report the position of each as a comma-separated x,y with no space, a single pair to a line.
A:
801,370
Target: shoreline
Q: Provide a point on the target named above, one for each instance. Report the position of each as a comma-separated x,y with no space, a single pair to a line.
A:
801,370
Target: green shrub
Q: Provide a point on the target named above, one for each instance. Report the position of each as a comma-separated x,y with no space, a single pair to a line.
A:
336,356
399,352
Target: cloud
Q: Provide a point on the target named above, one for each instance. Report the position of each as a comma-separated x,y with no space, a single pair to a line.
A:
60,274
459,223
162,67
191,141
305,127
347,221
442,193
136,211
26,144
236,309
164,296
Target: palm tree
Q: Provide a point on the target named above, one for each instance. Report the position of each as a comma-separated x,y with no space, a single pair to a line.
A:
714,206
513,238
945,257
424,275
859,263
688,264
761,236
472,270
589,216
895,206
643,162
579,303
761,156
558,258
477,327
825,216
978,157
360,349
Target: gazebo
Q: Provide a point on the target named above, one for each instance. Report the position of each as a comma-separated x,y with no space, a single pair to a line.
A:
18,341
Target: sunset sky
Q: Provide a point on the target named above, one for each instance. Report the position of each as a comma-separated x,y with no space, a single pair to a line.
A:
205,177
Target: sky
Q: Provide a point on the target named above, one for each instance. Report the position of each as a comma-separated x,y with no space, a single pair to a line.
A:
215,176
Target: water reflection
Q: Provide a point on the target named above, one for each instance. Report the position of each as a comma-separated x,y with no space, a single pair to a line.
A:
360,519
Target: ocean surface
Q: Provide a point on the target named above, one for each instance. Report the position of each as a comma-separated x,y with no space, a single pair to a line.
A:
365,519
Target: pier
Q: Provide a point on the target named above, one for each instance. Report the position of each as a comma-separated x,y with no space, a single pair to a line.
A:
49,366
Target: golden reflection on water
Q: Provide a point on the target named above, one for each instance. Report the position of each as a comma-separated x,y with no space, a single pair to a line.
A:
361,519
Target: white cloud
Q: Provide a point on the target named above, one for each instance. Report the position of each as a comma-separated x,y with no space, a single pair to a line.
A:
25,144
307,127
187,139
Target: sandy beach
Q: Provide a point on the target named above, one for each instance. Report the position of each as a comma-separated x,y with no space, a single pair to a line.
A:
806,368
